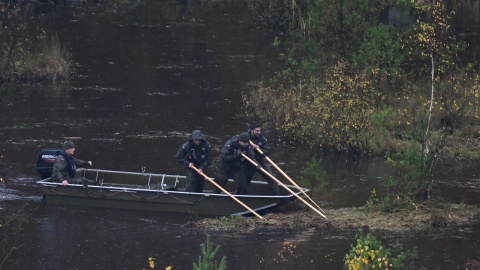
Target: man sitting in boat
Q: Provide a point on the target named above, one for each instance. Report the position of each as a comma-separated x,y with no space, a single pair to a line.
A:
196,152
66,165
231,164
260,142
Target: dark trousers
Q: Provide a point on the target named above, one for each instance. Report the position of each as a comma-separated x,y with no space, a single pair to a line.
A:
238,175
250,170
195,181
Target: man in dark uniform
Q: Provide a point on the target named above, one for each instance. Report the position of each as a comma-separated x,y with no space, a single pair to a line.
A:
196,152
260,142
66,165
231,163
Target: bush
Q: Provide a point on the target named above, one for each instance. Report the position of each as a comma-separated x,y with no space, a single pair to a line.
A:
369,253
50,62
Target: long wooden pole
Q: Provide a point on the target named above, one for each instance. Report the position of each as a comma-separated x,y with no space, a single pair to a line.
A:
286,176
283,185
226,192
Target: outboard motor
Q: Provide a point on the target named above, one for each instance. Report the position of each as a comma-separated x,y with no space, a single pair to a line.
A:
45,160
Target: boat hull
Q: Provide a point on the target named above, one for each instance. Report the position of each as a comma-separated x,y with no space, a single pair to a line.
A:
159,192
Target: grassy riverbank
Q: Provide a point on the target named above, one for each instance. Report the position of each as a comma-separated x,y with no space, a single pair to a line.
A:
426,217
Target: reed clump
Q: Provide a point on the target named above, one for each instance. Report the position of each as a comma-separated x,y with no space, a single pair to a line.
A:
50,62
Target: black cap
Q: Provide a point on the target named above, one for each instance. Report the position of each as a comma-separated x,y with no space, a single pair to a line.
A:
243,137
197,135
68,145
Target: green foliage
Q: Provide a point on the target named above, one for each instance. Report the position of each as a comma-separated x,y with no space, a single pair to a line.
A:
387,205
207,260
343,106
381,49
434,40
457,99
319,100
411,179
280,15
383,120
17,37
314,177
328,111
339,25
25,52
367,254
230,219
370,253
374,203
404,4
276,42
351,83
405,259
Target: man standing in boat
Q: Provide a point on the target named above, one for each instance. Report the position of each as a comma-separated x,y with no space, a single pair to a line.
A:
66,165
196,152
260,142
231,164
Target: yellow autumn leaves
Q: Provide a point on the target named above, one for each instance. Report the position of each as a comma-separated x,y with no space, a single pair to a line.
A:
151,263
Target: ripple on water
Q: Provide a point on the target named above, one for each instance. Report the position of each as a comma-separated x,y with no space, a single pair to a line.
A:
15,195
473,184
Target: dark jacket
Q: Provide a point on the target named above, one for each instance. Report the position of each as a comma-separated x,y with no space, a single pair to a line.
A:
65,167
231,154
262,142
200,155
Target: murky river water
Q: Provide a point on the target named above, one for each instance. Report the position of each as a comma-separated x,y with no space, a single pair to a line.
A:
146,76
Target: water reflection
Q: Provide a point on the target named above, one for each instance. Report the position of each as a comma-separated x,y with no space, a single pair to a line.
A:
108,242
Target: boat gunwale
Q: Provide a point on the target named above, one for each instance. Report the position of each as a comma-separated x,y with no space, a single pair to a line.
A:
46,183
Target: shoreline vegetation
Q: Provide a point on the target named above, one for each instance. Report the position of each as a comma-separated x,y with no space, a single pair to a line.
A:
358,82
51,62
368,249
27,52
405,84
429,216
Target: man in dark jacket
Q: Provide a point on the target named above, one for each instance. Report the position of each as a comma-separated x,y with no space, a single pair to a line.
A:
231,163
260,142
66,165
196,152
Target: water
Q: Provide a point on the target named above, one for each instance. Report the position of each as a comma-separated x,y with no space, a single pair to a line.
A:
146,75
